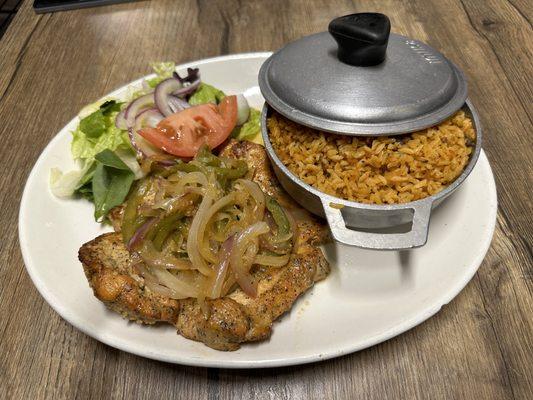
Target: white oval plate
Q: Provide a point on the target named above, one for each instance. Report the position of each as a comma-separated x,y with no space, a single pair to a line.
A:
369,297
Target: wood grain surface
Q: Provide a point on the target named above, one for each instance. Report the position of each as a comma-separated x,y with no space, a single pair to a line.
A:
479,346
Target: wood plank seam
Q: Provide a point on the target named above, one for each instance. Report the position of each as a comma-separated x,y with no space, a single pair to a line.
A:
19,58
22,272
495,334
486,39
519,11
507,230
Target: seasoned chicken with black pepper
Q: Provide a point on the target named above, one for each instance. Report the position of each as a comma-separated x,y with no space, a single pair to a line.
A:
214,247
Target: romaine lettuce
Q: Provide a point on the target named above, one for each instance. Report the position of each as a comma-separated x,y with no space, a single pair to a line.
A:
108,162
206,94
111,182
163,71
250,129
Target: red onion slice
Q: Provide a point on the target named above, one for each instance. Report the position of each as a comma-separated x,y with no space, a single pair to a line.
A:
120,120
162,92
186,90
136,106
140,233
176,104
222,268
169,89
167,162
150,117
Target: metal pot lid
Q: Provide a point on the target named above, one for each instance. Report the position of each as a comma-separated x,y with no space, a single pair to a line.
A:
358,79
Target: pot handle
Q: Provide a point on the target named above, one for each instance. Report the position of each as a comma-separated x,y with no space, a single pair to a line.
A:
416,237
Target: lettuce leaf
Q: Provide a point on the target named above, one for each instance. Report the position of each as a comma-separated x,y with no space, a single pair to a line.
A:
86,147
66,184
97,132
110,159
96,123
110,185
206,94
93,125
130,159
86,192
110,182
108,162
250,129
163,71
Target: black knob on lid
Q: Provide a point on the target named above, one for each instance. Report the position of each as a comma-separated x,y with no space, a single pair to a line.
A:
362,38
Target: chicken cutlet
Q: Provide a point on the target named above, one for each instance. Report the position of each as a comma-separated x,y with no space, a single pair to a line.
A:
234,318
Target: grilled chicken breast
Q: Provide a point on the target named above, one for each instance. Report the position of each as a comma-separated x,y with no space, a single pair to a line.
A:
234,319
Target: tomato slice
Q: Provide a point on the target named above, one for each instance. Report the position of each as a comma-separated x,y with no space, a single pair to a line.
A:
228,110
183,133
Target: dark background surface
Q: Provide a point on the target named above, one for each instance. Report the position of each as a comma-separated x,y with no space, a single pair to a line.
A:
8,9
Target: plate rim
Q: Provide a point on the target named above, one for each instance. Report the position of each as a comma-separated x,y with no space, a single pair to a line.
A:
404,326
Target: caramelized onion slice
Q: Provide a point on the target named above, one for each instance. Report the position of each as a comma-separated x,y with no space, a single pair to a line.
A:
181,288
203,244
271,261
257,194
166,284
193,238
222,268
240,265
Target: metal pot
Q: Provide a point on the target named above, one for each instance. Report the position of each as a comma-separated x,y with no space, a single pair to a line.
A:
358,79
370,226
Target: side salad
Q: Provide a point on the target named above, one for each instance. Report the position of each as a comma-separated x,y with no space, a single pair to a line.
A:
166,120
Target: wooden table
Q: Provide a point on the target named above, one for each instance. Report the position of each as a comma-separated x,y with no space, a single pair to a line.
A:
478,346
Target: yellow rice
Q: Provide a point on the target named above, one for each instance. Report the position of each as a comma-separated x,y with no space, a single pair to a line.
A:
378,170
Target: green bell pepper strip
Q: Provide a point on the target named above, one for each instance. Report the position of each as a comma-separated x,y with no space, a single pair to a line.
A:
130,220
222,173
232,173
281,220
178,232
204,156
166,171
163,228
187,168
